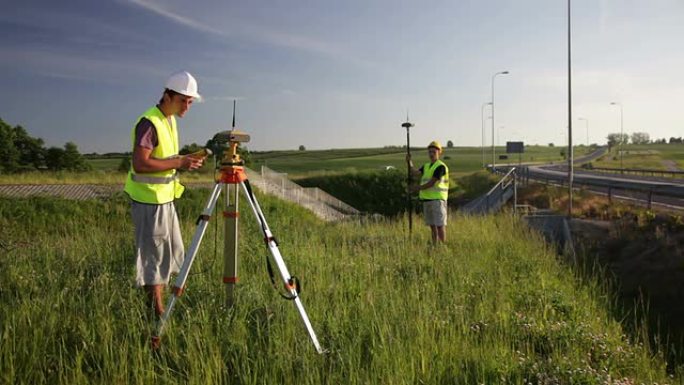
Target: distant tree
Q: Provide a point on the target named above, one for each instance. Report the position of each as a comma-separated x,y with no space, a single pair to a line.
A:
550,144
125,164
19,151
9,155
641,138
302,148
31,150
450,144
674,140
190,148
617,139
73,160
54,158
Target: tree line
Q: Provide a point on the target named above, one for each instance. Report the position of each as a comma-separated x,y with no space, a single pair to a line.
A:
21,152
639,138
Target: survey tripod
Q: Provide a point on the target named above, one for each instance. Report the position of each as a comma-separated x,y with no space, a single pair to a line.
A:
231,178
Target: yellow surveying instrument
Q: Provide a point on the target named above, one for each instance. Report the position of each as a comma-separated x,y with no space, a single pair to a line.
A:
230,179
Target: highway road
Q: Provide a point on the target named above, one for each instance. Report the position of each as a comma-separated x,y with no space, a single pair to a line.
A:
667,193
646,190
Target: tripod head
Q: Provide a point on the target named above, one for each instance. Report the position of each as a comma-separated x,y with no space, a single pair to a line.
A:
225,144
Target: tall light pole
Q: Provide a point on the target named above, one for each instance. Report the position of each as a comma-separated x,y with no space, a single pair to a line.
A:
571,157
483,132
493,150
621,130
586,124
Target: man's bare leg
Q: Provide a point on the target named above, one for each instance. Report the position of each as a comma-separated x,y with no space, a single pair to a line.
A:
155,297
433,229
441,233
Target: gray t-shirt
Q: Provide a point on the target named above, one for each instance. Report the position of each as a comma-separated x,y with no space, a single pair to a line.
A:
146,134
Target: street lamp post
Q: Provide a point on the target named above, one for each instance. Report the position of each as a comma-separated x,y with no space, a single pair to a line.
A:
493,149
483,132
586,124
621,131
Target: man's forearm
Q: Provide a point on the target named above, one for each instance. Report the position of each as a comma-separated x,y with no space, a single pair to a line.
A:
428,184
156,165
414,170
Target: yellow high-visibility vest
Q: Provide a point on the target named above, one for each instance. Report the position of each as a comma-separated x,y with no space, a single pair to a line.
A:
439,190
163,186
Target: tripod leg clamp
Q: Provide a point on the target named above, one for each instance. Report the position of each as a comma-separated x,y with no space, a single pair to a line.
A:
269,239
178,291
203,217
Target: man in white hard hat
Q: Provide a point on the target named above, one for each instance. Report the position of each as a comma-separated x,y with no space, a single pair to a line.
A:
433,190
152,184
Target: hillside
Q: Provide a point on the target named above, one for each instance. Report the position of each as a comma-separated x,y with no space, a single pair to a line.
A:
494,306
461,160
667,157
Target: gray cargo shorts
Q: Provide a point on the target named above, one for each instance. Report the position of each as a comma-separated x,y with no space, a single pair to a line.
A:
435,212
159,250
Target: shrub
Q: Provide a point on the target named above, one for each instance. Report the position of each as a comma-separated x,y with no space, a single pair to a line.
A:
382,192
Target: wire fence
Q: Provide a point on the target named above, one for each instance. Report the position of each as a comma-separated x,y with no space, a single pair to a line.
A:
324,205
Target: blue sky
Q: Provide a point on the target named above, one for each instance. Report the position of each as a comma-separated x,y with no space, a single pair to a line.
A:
336,74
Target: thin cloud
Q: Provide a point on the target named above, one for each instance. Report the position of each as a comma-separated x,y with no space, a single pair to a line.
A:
186,21
76,67
56,22
259,33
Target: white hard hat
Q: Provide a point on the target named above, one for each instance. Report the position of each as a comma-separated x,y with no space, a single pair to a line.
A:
183,83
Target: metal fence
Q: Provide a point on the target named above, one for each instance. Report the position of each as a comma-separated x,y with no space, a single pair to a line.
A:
324,205
670,193
497,196
637,171
321,203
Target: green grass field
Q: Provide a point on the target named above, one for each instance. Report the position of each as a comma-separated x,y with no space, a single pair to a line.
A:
648,156
104,164
495,306
299,164
91,177
461,160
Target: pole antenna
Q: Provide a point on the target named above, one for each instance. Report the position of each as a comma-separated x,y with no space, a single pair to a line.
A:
409,205
234,102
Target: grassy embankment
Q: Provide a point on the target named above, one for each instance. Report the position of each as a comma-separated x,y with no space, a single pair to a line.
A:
494,306
647,156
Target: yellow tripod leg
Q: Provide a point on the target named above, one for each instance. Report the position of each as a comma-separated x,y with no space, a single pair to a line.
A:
230,249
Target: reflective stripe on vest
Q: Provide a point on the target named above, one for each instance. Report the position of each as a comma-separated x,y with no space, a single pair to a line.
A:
440,190
156,187
153,179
